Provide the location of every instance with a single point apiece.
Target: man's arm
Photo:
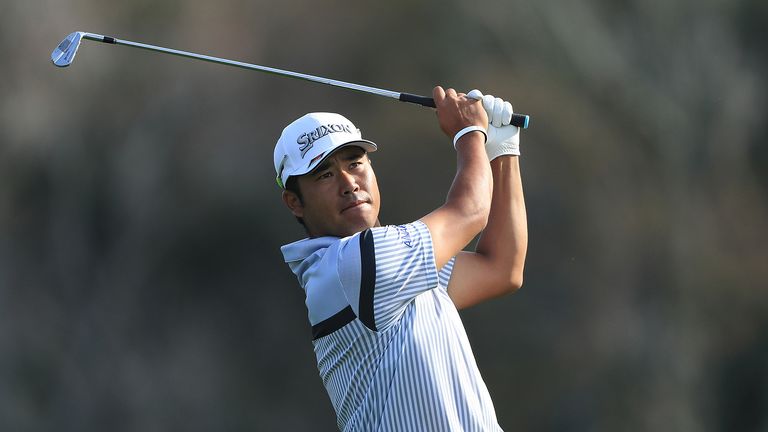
(465, 212)
(496, 266)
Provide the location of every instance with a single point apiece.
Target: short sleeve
(444, 275)
(385, 269)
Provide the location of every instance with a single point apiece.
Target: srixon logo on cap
(306, 139)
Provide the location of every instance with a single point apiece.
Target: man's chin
(355, 225)
(349, 224)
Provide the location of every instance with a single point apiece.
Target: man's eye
(324, 175)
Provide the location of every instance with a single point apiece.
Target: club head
(64, 54)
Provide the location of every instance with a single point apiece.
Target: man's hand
(455, 111)
(503, 139)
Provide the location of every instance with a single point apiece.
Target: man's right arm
(465, 212)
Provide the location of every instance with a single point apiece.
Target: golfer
(383, 300)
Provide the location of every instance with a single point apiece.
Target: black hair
(292, 185)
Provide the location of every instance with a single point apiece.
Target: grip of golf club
(519, 120)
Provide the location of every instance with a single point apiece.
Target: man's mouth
(354, 204)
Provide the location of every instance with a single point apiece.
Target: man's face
(340, 197)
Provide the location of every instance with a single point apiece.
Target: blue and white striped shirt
(390, 345)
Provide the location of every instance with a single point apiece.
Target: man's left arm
(496, 266)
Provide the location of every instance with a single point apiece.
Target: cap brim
(366, 145)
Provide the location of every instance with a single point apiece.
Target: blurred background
(141, 283)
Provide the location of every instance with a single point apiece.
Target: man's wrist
(467, 130)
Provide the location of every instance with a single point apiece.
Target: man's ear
(293, 202)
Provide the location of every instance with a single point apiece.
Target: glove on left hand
(503, 139)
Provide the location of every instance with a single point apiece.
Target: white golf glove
(503, 139)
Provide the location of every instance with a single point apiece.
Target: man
(390, 346)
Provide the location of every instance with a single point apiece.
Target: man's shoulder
(406, 234)
(314, 246)
(303, 249)
(409, 234)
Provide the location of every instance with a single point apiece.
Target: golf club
(64, 54)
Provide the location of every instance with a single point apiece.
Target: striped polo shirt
(390, 345)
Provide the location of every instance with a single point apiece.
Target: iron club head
(64, 54)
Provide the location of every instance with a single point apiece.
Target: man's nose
(348, 182)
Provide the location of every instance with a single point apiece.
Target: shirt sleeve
(385, 269)
(444, 275)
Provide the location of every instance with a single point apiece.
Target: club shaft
(275, 71)
(519, 120)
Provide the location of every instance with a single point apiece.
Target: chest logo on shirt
(402, 232)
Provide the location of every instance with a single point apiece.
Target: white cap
(306, 142)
